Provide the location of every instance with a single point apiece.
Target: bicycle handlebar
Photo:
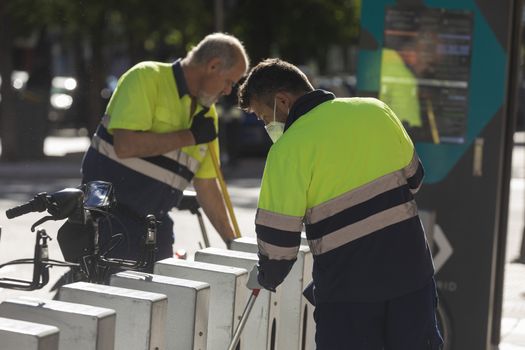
(59, 205)
(37, 204)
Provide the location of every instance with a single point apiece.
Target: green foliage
(297, 30)
(149, 25)
(26, 15)
(97, 33)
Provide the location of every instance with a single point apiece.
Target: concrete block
(228, 294)
(82, 327)
(304, 240)
(141, 316)
(187, 317)
(261, 328)
(296, 313)
(16, 335)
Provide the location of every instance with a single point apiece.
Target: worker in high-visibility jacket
(346, 170)
(156, 138)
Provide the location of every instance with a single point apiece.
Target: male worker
(154, 140)
(347, 170)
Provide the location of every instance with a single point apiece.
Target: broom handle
(224, 190)
(244, 318)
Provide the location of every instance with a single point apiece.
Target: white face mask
(274, 129)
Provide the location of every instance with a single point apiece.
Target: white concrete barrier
(22, 335)
(297, 326)
(82, 327)
(261, 328)
(141, 316)
(304, 240)
(228, 294)
(310, 331)
(188, 305)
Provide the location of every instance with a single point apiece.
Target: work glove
(272, 272)
(203, 129)
(253, 282)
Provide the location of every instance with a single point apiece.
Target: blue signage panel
(486, 81)
(443, 67)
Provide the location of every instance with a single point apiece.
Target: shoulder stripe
(186, 164)
(362, 228)
(279, 221)
(416, 179)
(171, 165)
(356, 213)
(413, 166)
(355, 196)
(140, 165)
(274, 252)
(363, 193)
(184, 159)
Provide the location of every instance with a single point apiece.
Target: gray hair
(222, 45)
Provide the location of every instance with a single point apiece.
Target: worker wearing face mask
(275, 129)
(346, 170)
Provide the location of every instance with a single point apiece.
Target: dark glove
(203, 129)
(273, 272)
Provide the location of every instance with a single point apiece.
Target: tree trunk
(33, 104)
(88, 104)
(79, 108)
(96, 71)
(8, 102)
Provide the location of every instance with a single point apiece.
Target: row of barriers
(183, 305)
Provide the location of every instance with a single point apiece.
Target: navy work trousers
(404, 323)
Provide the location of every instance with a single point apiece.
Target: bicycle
(78, 238)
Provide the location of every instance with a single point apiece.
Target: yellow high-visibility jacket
(153, 97)
(345, 170)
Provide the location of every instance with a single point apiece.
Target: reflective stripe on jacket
(151, 97)
(347, 171)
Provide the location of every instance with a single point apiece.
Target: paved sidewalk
(513, 317)
(63, 159)
(513, 322)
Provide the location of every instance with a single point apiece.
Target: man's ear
(214, 65)
(283, 102)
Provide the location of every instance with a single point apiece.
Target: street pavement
(19, 182)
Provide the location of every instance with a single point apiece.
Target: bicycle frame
(41, 264)
(92, 264)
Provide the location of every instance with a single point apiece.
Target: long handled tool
(244, 318)
(189, 202)
(227, 200)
